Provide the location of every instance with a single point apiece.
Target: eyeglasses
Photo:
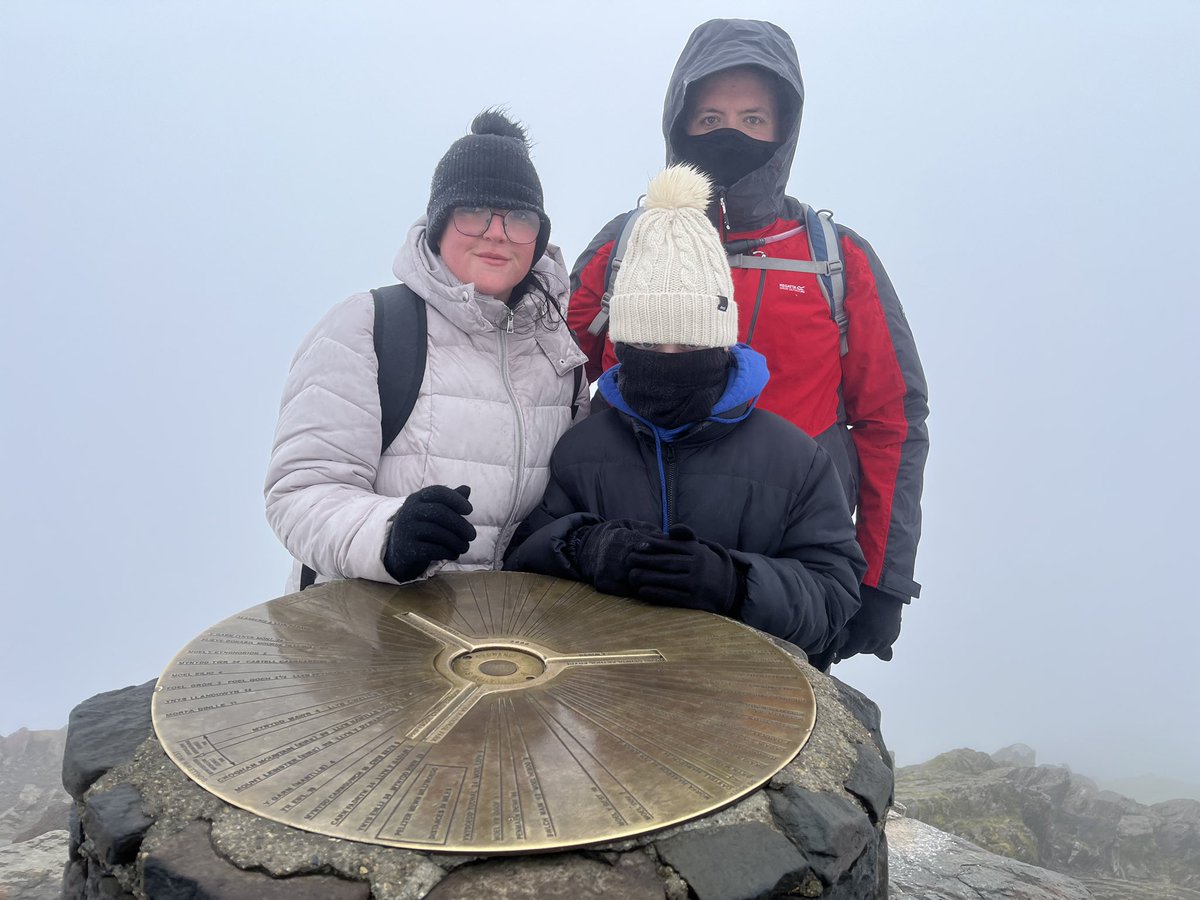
(521, 226)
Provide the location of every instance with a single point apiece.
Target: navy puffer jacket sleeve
(807, 589)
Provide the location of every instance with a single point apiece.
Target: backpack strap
(401, 347)
(823, 244)
(823, 247)
(600, 323)
(575, 392)
(826, 264)
(307, 577)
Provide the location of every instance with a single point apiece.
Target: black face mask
(672, 389)
(726, 155)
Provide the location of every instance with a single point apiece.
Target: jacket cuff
(897, 584)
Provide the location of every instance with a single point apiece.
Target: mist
(187, 188)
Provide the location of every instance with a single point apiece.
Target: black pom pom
(493, 121)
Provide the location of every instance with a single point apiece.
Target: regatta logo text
(797, 288)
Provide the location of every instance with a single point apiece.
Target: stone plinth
(143, 829)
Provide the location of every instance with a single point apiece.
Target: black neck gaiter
(726, 155)
(672, 389)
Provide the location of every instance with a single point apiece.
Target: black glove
(430, 526)
(824, 660)
(678, 569)
(600, 553)
(875, 627)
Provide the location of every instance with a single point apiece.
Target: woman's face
(491, 262)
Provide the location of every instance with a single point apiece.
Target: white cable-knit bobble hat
(674, 286)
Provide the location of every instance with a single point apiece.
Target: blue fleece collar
(747, 377)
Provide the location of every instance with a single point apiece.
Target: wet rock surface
(1050, 817)
(927, 864)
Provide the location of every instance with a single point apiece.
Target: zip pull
(724, 216)
(508, 326)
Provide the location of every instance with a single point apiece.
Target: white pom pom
(679, 187)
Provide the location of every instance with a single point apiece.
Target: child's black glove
(600, 553)
(680, 570)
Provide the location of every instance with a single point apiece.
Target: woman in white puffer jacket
(497, 393)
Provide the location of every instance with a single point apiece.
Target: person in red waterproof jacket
(733, 109)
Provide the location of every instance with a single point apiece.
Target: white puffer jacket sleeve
(320, 492)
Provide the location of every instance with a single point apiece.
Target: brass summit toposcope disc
(480, 712)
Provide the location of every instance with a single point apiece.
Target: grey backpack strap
(826, 264)
(823, 244)
(750, 261)
(600, 323)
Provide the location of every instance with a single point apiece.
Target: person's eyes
(523, 216)
(709, 121)
(755, 121)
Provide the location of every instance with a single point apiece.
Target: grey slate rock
(32, 870)
(832, 832)
(103, 732)
(116, 823)
(185, 867)
(867, 713)
(871, 782)
(74, 880)
(866, 879)
(736, 862)
(75, 830)
(32, 799)
(55, 817)
(562, 876)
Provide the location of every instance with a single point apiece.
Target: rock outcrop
(927, 864)
(144, 829)
(32, 799)
(1048, 816)
(32, 870)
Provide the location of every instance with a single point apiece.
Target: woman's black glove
(600, 553)
(874, 628)
(430, 526)
(681, 570)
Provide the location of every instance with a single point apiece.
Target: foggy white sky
(186, 188)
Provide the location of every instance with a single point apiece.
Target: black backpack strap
(575, 392)
(401, 347)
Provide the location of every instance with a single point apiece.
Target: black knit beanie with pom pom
(488, 167)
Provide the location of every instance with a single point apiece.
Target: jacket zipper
(724, 224)
(518, 478)
(669, 449)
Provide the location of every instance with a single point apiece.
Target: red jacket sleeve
(885, 397)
